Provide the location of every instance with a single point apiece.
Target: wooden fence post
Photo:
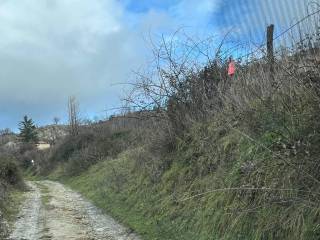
(270, 55)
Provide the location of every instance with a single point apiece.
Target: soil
(53, 211)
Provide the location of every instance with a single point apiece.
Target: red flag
(231, 68)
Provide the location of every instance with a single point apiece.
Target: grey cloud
(52, 49)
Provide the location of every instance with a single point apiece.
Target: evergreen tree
(28, 131)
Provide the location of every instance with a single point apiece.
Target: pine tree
(28, 132)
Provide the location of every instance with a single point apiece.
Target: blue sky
(146, 5)
(53, 49)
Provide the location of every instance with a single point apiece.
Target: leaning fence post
(270, 55)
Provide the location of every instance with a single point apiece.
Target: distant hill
(49, 134)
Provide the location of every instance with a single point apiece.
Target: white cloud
(194, 12)
(52, 49)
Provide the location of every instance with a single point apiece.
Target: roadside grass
(12, 195)
(221, 184)
(45, 197)
(146, 208)
(245, 174)
(30, 175)
(12, 205)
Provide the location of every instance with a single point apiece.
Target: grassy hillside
(214, 158)
(239, 176)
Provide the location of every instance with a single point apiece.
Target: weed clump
(10, 178)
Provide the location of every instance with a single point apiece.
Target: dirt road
(52, 211)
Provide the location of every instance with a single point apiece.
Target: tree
(56, 120)
(5, 132)
(28, 132)
(5, 136)
(54, 131)
(73, 110)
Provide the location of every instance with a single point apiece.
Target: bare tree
(181, 84)
(73, 111)
(53, 131)
(56, 120)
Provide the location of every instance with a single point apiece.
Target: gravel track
(28, 221)
(53, 211)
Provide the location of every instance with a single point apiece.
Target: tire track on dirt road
(53, 211)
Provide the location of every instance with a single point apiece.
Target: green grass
(166, 209)
(12, 204)
(12, 189)
(45, 197)
(254, 179)
(124, 203)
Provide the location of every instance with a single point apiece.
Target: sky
(53, 49)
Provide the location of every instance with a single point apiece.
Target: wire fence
(182, 54)
(302, 35)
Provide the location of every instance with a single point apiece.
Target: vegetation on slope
(220, 184)
(215, 157)
(11, 184)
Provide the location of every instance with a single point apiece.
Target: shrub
(10, 176)
(9, 171)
